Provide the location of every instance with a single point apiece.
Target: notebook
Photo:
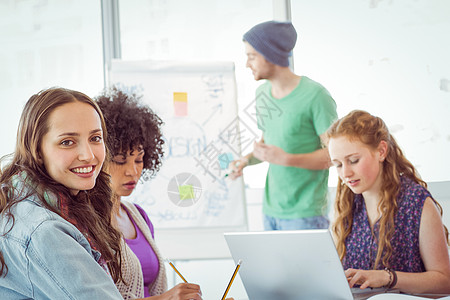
(301, 264)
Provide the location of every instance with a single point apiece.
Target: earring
(342, 182)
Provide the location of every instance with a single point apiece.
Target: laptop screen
(301, 264)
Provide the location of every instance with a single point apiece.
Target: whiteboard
(197, 102)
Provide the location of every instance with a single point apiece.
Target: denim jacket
(49, 258)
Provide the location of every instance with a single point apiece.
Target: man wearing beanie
(294, 113)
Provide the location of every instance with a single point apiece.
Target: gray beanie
(274, 40)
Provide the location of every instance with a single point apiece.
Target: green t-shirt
(295, 123)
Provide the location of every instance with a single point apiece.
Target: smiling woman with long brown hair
(56, 238)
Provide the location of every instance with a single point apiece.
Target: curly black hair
(131, 124)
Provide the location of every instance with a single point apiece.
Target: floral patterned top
(362, 245)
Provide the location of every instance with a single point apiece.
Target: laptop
(300, 264)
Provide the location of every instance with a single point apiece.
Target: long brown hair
(370, 130)
(90, 208)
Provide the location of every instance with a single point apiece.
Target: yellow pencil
(231, 280)
(175, 269)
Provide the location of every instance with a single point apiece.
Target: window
(44, 44)
(388, 58)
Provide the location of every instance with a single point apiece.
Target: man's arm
(316, 160)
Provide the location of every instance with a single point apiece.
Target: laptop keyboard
(361, 294)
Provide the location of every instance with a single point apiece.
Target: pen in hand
(232, 279)
(176, 271)
(229, 172)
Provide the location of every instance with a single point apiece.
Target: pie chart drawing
(184, 189)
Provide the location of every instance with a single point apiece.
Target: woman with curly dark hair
(136, 144)
(388, 229)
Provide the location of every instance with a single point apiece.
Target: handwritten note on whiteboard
(197, 102)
